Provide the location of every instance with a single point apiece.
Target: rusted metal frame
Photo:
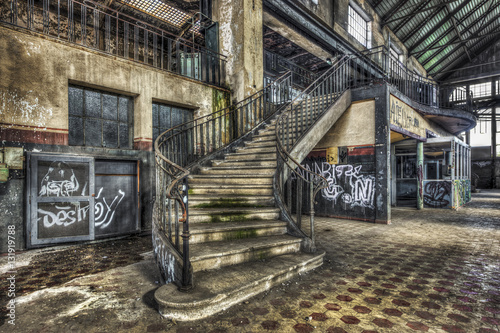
(13, 12)
(71, 22)
(46, 16)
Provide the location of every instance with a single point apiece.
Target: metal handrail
(103, 29)
(178, 148)
(292, 125)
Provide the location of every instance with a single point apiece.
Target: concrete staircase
(235, 230)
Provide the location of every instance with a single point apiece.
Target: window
(168, 116)
(480, 89)
(358, 26)
(99, 119)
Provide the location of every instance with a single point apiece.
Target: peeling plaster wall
(240, 38)
(35, 73)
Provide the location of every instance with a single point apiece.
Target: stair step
(248, 150)
(219, 201)
(264, 137)
(238, 189)
(239, 170)
(208, 256)
(218, 290)
(231, 179)
(214, 215)
(263, 143)
(241, 154)
(250, 163)
(215, 232)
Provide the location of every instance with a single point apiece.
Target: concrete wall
(35, 74)
(354, 128)
(240, 38)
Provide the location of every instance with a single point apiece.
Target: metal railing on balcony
(418, 88)
(100, 28)
(182, 146)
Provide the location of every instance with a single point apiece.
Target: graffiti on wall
(437, 194)
(462, 192)
(347, 186)
(61, 180)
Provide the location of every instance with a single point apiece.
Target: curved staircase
(238, 245)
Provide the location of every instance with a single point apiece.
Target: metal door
(60, 199)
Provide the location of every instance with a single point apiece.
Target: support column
(241, 40)
(420, 175)
(493, 146)
(382, 156)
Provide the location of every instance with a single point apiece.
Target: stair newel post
(311, 214)
(187, 281)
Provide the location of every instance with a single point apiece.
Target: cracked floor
(429, 271)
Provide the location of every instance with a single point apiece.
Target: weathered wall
(36, 72)
(351, 182)
(35, 76)
(240, 38)
(355, 127)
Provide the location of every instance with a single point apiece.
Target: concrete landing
(217, 290)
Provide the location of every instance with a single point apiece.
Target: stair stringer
(322, 125)
(306, 143)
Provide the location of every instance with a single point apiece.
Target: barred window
(358, 26)
(167, 116)
(99, 118)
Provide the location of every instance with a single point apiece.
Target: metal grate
(160, 10)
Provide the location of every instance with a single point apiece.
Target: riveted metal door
(60, 199)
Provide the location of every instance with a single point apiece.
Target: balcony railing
(100, 28)
(418, 88)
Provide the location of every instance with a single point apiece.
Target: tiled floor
(430, 270)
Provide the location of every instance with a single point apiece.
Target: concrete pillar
(240, 39)
(382, 156)
(493, 146)
(420, 175)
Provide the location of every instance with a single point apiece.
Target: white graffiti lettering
(346, 184)
(64, 216)
(104, 212)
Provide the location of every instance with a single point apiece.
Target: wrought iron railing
(180, 147)
(97, 27)
(418, 88)
(291, 179)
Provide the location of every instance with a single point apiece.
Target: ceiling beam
(417, 54)
(491, 21)
(422, 24)
(437, 26)
(394, 9)
(458, 33)
(410, 16)
(478, 53)
(420, 9)
(444, 34)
